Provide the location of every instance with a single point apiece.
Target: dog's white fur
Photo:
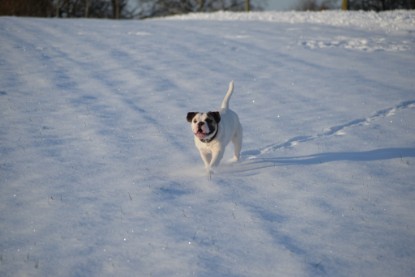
(214, 130)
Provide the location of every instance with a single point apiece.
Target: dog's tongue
(200, 135)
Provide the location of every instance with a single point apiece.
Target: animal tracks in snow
(338, 130)
(357, 43)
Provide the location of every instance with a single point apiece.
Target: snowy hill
(99, 175)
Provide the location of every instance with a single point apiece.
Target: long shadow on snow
(315, 266)
(372, 155)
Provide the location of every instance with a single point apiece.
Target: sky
(280, 4)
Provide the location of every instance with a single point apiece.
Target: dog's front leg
(205, 158)
(216, 158)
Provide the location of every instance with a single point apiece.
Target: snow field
(99, 175)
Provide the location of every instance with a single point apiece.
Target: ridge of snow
(400, 20)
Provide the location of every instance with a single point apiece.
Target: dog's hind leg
(237, 144)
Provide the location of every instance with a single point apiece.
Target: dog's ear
(190, 116)
(215, 115)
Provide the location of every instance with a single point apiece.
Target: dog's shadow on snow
(253, 160)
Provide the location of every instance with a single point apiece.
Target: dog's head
(204, 125)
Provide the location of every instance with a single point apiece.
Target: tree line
(379, 5)
(67, 8)
(120, 9)
(366, 5)
(125, 9)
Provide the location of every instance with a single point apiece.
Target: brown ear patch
(215, 115)
(190, 116)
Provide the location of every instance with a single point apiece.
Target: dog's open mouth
(200, 134)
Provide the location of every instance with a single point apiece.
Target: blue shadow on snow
(372, 155)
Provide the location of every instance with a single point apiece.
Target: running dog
(214, 130)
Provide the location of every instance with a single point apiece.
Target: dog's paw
(209, 172)
(233, 160)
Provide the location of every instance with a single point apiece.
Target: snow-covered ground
(99, 175)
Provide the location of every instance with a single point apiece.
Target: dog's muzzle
(200, 133)
(205, 136)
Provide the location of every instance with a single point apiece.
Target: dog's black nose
(200, 124)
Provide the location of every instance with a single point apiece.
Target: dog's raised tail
(225, 102)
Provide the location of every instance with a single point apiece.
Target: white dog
(214, 130)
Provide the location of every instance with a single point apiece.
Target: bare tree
(315, 5)
(93, 8)
(156, 8)
(380, 5)
(41, 8)
(120, 8)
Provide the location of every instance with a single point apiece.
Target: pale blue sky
(281, 4)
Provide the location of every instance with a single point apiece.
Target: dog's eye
(209, 120)
(194, 121)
